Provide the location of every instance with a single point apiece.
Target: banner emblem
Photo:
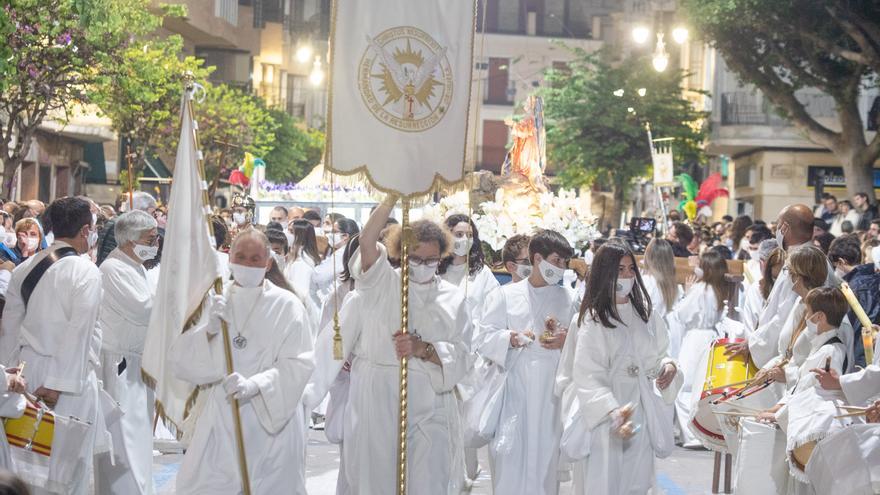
(405, 79)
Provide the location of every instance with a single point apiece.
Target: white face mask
(239, 218)
(279, 260)
(840, 272)
(247, 276)
(624, 287)
(698, 272)
(551, 273)
(462, 246)
(334, 238)
(780, 237)
(421, 274)
(93, 238)
(10, 239)
(145, 253)
(523, 271)
(744, 244)
(32, 243)
(319, 231)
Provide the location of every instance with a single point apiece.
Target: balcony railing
(746, 108)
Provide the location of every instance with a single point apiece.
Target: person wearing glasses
(437, 361)
(523, 329)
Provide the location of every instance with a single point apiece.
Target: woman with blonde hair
(659, 277)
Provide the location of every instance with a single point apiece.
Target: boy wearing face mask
(271, 347)
(845, 255)
(523, 330)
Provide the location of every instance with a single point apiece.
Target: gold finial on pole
(218, 288)
(404, 327)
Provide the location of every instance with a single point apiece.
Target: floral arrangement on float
(512, 214)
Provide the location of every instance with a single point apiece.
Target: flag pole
(406, 241)
(218, 288)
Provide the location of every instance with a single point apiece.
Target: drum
(751, 401)
(847, 462)
(724, 377)
(811, 418)
(34, 430)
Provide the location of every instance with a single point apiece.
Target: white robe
(475, 288)
(60, 339)
(301, 276)
(656, 295)
(862, 386)
(525, 448)
(439, 315)
(753, 305)
(278, 356)
(693, 321)
(602, 360)
(125, 316)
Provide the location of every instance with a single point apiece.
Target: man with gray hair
(107, 240)
(124, 319)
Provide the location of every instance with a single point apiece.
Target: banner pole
(404, 328)
(218, 288)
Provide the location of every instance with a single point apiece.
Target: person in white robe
(794, 228)
(860, 387)
(622, 349)
(659, 279)
(438, 360)
(515, 256)
(12, 405)
(466, 269)
(57, 334)
(523, 329)
(694, 319)
(753, 298)
(342, 230)
(272, 357)
(124, 319)
(301, 262)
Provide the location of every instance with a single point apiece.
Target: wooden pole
(130, 178)
(404, 327)
(218, 288)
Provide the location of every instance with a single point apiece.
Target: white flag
(187, 272)
(400, 91)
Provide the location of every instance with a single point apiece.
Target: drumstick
(853, 408)
(827, 364)
(737, 414)
(20, 369)
(850, 415)
(744, 408)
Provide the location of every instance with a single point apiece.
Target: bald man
(794, 228)
(295, 213)
(272, 352)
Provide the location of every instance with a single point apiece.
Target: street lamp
(680, 35)
(317, 75)
(304, 53)
(641, 34)
(661, 57)
(642, 91)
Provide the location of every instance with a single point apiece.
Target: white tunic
(753, 305)
(475, 288)
(301, 276)
(59, 338)
(439, 315)
(526, 445)
(602, 360)
(278, 356)
(125, 316)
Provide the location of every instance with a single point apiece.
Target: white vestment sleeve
(661, 358)
(281, 387)
(492, 341)
(69, 370)
(861, 386)
(13, 316)
(326, 367)
(132, 305)
(453, 354)
(592, 374)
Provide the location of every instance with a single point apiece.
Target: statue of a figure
(527, 157)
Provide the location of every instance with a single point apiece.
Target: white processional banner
(400, 89)
(186, 274)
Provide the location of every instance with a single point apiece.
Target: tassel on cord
(337, 338)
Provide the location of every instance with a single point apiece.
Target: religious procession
(376, 247)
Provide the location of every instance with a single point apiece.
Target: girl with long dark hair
(620, 356)
(302, 260)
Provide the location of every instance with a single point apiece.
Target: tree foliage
(297, 149)
(231, 123)
(786, 46)
(596, 121)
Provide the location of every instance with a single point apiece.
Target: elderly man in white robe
(272, 356)
(523, 330)
(52, 326)
(125, 316)
(438, 360)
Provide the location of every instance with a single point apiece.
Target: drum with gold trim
(725, 375)
(811, 416)
(32, 431)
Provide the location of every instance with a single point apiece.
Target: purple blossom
(64, 38)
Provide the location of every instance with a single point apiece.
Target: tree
(297, 149)
(231, 123)
(142, 81)
(783, 46)
(596, 115)
(46, 68)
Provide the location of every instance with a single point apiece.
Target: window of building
(227, 10)
(499, 82)
(505, 16)
(494, 147)
(554, 18)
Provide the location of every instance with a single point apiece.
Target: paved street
(684, 473)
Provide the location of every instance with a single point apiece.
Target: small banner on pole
(400, 89)
(661, 157)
